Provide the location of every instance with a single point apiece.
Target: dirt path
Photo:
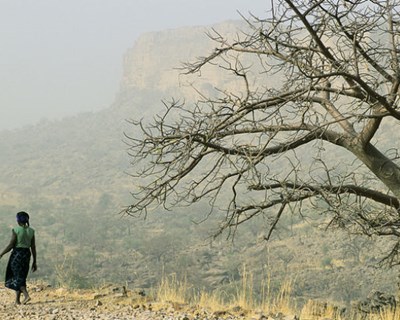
(110, 303)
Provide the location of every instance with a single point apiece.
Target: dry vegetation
(172, 299)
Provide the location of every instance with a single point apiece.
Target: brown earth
(108, 303)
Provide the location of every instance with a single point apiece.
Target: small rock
(291, 317)
(219, 313)
(55, 311)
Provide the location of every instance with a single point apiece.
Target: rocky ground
(109, 303)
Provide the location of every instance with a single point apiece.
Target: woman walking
(22, 244)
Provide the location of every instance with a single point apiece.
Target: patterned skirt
(18, 268)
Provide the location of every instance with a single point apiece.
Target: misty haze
(189, 161)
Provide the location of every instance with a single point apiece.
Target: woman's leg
(17, 297)
(26, 295)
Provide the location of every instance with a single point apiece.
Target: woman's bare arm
(11, 245)
(33, 250)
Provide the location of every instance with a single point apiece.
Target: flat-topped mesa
(156, 59)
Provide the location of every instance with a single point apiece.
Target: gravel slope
(109, 303)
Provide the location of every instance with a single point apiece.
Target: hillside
(72, 176)
(117, 302)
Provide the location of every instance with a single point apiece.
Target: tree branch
(349, 189)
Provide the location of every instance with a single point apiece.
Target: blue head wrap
(23, 217)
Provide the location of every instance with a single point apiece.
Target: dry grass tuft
(314, 310)
(211, 301)
(246, 301)
(173, 290)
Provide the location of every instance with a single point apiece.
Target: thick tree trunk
(384, 168)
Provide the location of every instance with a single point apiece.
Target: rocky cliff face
(156, 59)
(151, 61)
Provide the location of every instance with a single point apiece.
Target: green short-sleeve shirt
(24, 236)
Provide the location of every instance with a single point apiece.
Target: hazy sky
(62, 57)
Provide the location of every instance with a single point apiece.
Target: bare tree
(313, 123)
